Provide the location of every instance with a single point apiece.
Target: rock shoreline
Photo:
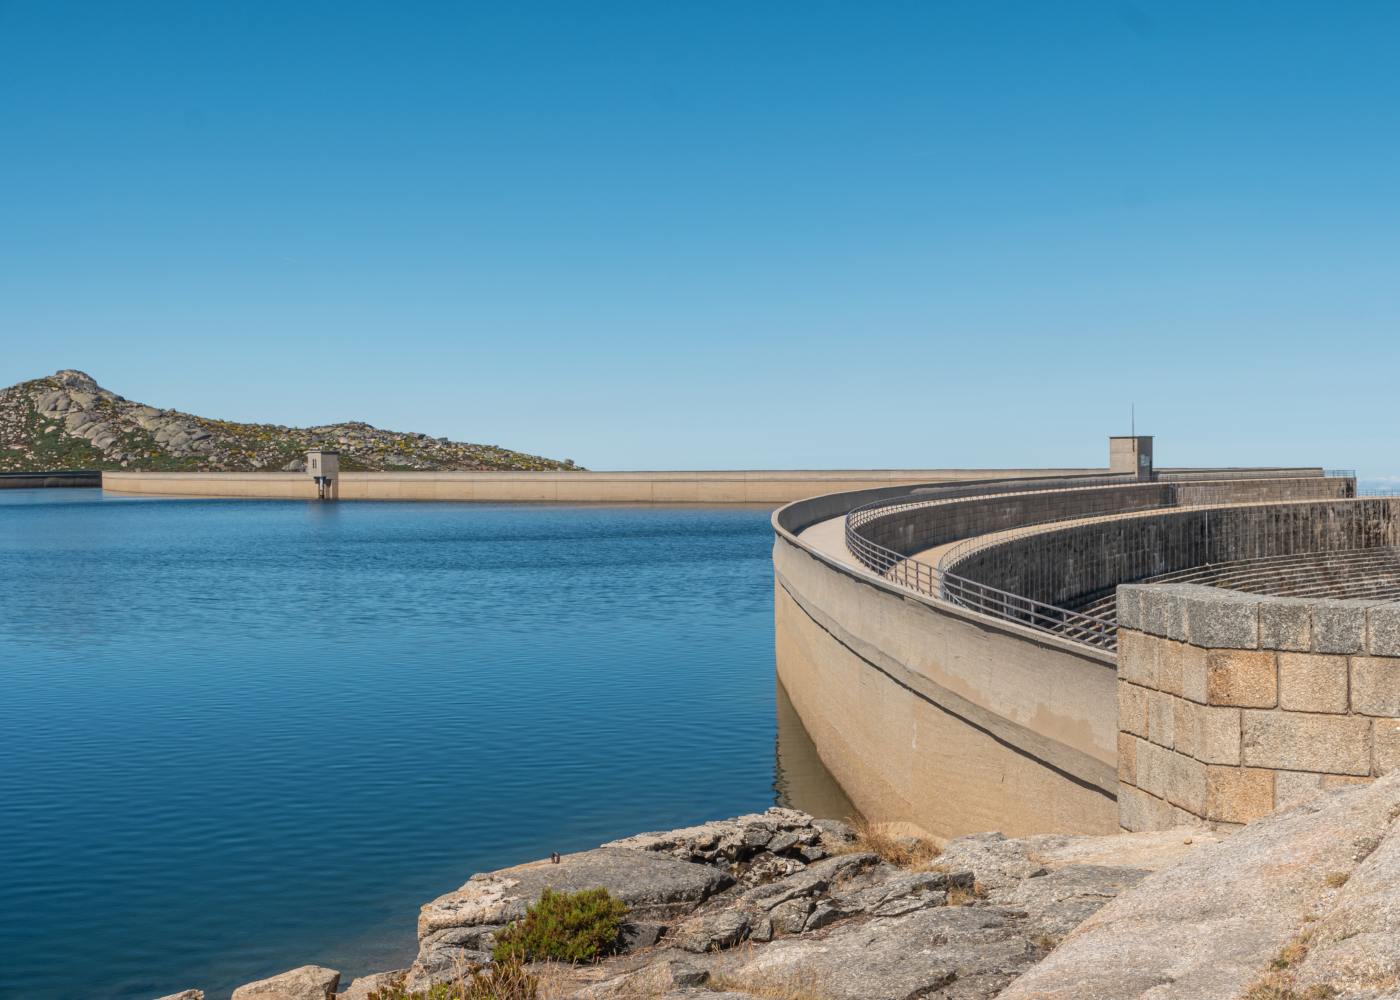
(1302, 905)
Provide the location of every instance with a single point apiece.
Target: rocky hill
(68, 421)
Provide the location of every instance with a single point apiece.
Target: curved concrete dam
(953, 648)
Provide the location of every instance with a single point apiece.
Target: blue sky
(709, 235)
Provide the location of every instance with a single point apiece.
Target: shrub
(567, 927)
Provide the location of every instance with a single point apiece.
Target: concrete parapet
(1232, 705)
(1079, 563)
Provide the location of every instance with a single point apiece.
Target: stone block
(1375, 685)
(1161, 612)
(1383, 630)
(1169, 657)
(1185, 784)
(1222, 619)
(1238, 794)
(1292, 787)
(1387, 744)
(1161, 719)
(1312, 682)
(1339, 626)
(1129, 601)
(1127, 758)
(1180, 817)
(1152, 769)
(1139, 811)
(1243, 678)
(1295, 741)
(1132, 709)
(1185, 725)
(1137, 658)
(1331, 781)
(1217, 735)
(1285, 623)
(309, 982)
(1193, 673)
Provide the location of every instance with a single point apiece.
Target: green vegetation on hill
(67, 421)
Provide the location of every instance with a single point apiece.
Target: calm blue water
(237, 737)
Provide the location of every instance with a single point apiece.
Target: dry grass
(892, 844)
(1293, 952)
(778, 985)
(506, 981)
(1282, 991)
(1337, 879)
(1279, 982)
(959, 895)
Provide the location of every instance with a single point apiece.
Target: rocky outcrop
(772, 901)
(310, 982)
(1305, 900)
(1300, 905)
(68, 421)
(459, 928)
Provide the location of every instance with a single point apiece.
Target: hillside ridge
(67, 421)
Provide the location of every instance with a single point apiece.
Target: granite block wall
(1232, 705)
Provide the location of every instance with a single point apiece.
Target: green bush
(566, 927)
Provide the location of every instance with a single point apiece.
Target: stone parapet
(1232, 705)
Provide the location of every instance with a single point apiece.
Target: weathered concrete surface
(929, 715)
(1323, 875)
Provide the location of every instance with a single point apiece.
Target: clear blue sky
(720, 234)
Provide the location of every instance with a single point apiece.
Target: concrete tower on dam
(1133, 648)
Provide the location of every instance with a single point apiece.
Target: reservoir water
(240, 736)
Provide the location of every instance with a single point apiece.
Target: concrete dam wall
(761, 487)
(958, 714)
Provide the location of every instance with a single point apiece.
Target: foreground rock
(1301, 905)
(1307, 899)
(775, 902)
(310, 982)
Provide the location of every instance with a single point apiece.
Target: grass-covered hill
(68, 421)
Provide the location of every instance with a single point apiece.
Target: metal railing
(938, 581)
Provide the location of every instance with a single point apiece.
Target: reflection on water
(800, 779)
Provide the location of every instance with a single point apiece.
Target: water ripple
(241, 736)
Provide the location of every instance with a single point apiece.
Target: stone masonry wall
(1232, 705)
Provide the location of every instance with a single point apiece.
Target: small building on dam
(1135, 649)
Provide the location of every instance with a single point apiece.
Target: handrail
(939, 582)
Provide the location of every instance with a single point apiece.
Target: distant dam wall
(757, 487)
